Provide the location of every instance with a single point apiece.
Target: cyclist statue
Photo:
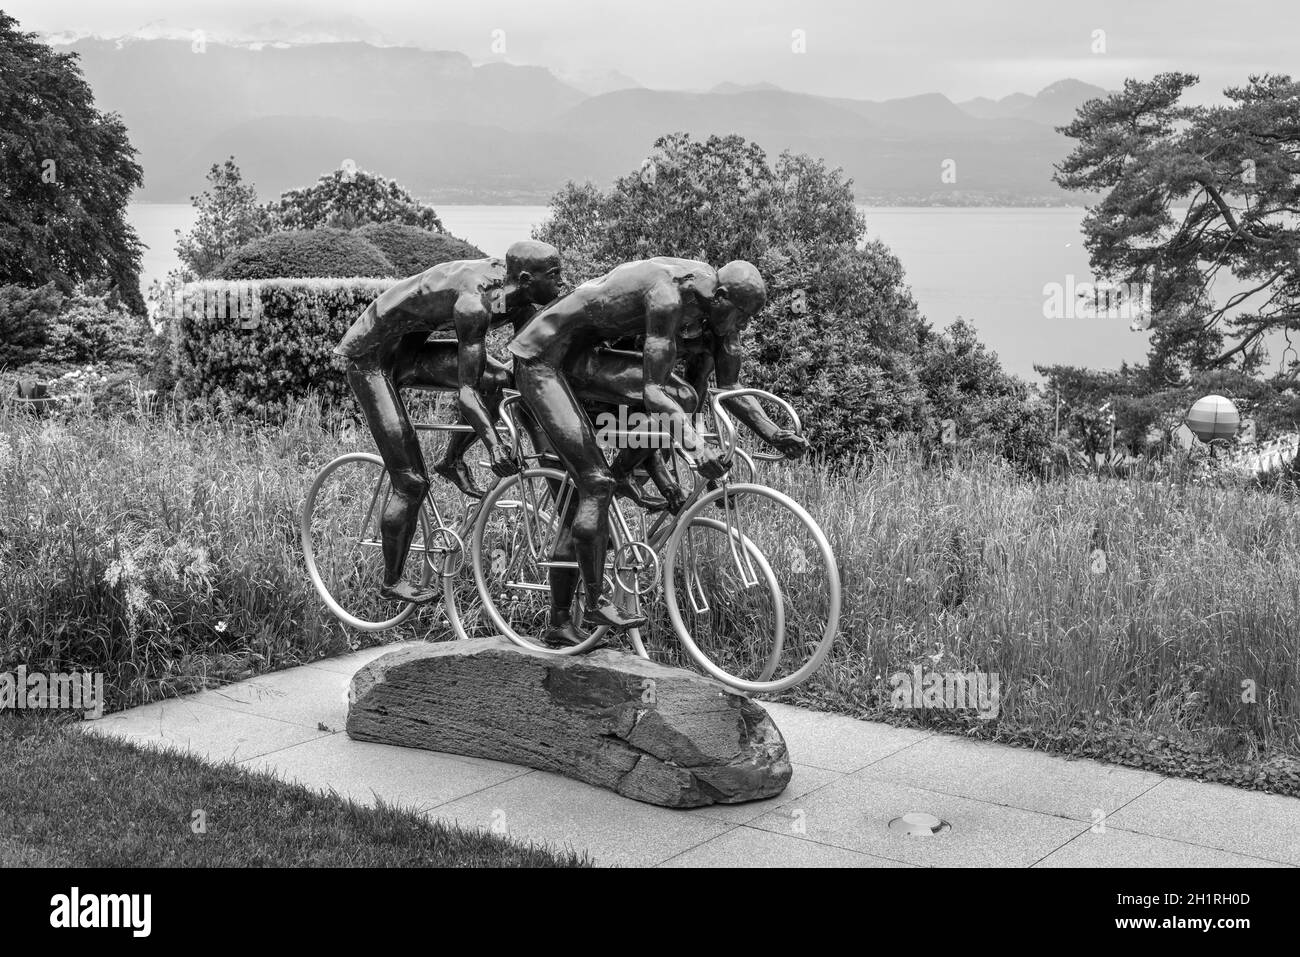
(559, 366)
(388, 348)
(702, 357)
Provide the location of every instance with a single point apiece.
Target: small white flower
(221, 626)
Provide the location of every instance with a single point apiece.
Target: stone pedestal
(656, 734)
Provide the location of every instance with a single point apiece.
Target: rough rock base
(656, 734)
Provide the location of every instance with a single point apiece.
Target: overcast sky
(857, 48)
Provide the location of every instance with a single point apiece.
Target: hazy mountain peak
(438, 123)
(1071, 87)
(761, 87)
(344, 28)
(1053, 105)
(594, 82)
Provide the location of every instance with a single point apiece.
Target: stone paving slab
(307, 697)
(1116, 848)
(1016, 777)
(414, 779)
(215, 734)
(1218, 816)
(750, 847)
(837, 742)
(558, 811)
(855, 812)
(1008, 807)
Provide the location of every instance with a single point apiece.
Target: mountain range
(451, 130)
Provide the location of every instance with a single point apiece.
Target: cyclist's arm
(698, 371)
(659, 355)
(727, 359)
(472, 321)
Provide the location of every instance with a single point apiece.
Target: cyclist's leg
(617, 377)
(608, 378)
(399, 447)
(564, 582)
(435, 365)
(572, 437)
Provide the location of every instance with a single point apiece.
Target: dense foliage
(375, 208)
(286, 355)
(841, 336)
(68, 174)
(26, 317)
(987, 408)
(89, 330)
(229, 217)
(1195, 193)
(304, 254)
(1146, 409)
(348, 198)
(412, 250)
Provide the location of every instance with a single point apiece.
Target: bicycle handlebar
(728, 436)
(718, 396)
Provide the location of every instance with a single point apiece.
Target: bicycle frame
(652, 541)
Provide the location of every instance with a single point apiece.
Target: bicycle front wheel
(343, 548)
(717, 588)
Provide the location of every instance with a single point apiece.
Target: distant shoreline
(867, 203)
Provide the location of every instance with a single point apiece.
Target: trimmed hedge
(285, 352)
(412, 250)
(306, 253)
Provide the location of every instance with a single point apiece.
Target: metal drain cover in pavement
(917, 824)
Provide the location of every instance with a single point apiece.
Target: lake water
(988, 266)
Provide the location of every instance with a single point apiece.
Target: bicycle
(344, 555)
(726, 605)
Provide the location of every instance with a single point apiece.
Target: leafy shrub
(348, 199)
(839, 336)
(989, 409)
(26, 318)
(87, 330)
(228, 218)
(412, 250)
(306, 254)
(287, 354)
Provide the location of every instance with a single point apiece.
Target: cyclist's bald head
(744, 286)
(531, 256)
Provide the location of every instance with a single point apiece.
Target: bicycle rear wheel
(342, 546)
(728, 633)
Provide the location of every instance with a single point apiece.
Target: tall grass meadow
(162, 549)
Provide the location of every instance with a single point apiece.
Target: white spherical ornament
(1213, 417)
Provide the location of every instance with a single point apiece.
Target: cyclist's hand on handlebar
(502, 461)
(710, 463)
(789, 443)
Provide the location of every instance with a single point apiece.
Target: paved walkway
(1006, 806)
